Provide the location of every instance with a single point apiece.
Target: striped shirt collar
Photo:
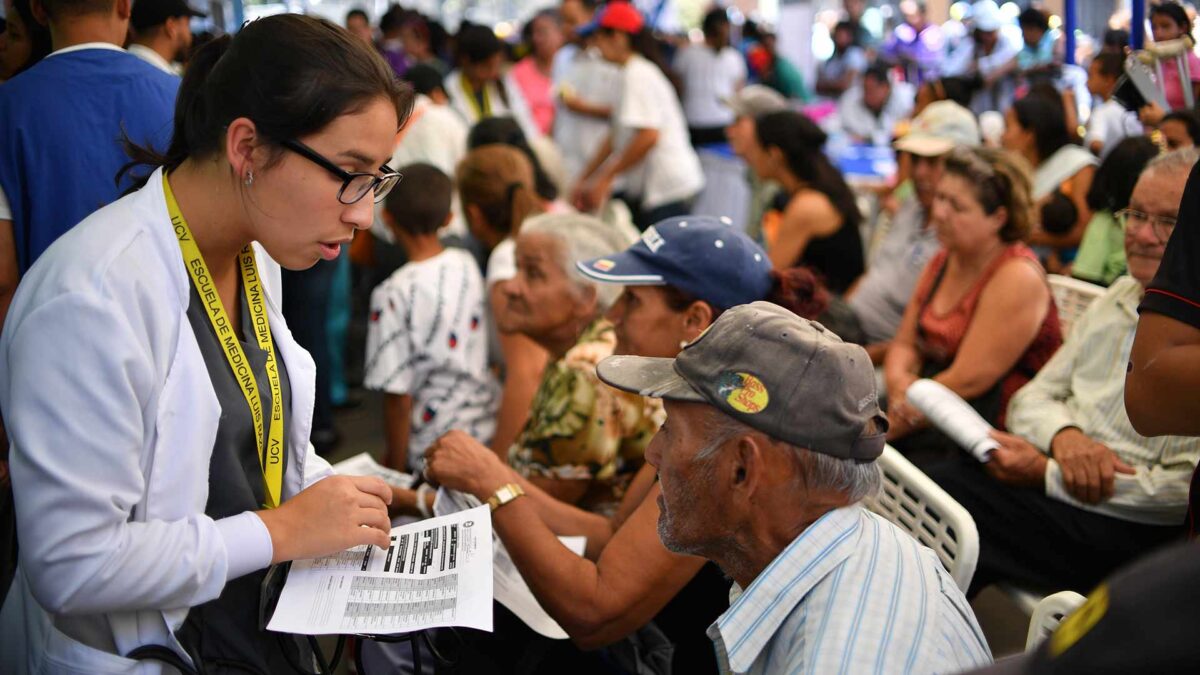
(741, 633)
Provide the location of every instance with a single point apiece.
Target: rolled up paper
(948, 412)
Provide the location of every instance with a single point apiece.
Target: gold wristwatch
(504, 495)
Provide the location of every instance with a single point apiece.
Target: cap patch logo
(1080, 622)
(652, 239)
(604, 265)
(743, 392)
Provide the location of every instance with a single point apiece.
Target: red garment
(538, 91)
(940, 335)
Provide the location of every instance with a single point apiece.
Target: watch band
(504, 495)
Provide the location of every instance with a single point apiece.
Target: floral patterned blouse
(580, 428)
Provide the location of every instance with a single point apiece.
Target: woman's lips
(330, 251)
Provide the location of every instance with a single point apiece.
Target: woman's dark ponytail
(800, 291)
(189, 114)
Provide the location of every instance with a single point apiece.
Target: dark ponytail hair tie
(512, 190)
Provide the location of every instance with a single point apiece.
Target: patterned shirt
(427, 338)
(1083, 386)
(580, 428)
(852, 594)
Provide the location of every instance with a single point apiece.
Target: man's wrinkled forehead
(1159, 192)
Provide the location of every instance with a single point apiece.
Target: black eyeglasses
(355, 184)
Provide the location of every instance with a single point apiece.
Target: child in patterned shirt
(427, 337)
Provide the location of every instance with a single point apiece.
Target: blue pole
(1071, 20)
(239, 16)
(1137, 24)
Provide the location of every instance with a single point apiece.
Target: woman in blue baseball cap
(684, 272)
(679, 277)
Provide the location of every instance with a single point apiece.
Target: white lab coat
(112, 418)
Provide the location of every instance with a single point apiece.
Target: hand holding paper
(437, 572)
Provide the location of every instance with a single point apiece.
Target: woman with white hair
(583, 440)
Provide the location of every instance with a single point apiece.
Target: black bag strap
(169, 657)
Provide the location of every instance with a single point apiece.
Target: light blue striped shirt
(852, 594)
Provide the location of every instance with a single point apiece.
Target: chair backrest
(1073, 297)
(917, 505)
(1049, 613)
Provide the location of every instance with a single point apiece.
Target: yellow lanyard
(486, 111)
(270, 455)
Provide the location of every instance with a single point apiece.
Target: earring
(249, 178)
(683, 343)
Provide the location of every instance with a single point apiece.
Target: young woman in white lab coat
(158, 407)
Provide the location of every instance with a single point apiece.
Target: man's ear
(745, 472)
(171, 26)
(123, 9)
(697, 317)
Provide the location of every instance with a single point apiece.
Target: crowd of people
(193, 230)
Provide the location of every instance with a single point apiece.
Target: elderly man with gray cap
(880, 295)
(772, 433)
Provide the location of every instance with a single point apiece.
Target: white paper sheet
(437, 572)
(508, 584)
(955, 417)
(364, 465)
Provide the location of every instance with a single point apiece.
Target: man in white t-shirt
(648, 144)
(841, 70)
(991, 54)
(427, 336)
(868, 112)
(586, 95)
(711, 73)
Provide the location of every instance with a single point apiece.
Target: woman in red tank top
(982, 320)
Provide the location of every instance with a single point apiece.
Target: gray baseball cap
(785, 376)
(755, 100)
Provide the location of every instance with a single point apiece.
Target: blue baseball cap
(702, 256)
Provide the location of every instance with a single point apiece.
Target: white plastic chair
(1025, 600)
(1073, 297)
(1049, 613)
(917, 505)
